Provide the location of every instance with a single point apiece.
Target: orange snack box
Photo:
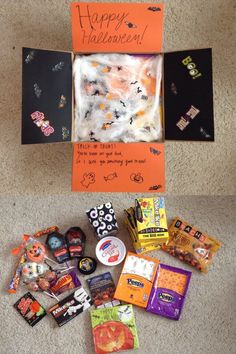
(136, 279)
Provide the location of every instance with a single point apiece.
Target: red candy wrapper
(46, 231)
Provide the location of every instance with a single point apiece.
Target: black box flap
(188, 95)
(46, 96)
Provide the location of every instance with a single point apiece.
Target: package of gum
(169, 291)
(136, 279)
(151, 219)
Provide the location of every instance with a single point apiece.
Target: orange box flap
(117, 27)
(118, 167)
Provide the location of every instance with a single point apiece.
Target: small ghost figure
(62, 101)
(125, 313)
(82, 301)
(54, 242)
(89, 178)
(32, 270)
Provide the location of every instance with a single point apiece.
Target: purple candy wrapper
(64, 283)
(164, 301)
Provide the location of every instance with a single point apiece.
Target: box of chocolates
(71, 306)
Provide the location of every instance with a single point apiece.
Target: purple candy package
(64, 283)
(168, 292)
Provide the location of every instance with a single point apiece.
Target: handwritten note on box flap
(118, 167)
(117, 27)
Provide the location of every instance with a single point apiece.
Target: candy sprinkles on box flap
(115, 74)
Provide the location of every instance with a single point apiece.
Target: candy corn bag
(190, 245)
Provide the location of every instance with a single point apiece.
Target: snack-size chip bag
(190, 245)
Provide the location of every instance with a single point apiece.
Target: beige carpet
(207, 325)
(191, 168)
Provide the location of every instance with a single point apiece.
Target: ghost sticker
(88, 178)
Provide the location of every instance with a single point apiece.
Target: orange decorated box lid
(117, 27)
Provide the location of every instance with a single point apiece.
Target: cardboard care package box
(117, 97)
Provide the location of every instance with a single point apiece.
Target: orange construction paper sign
(117, 27)
(118, 167)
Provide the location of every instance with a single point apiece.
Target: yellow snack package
(190, 245)
(139, 246)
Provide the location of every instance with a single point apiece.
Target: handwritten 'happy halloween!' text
(95, 28)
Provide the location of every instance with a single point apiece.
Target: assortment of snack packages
(52, 267)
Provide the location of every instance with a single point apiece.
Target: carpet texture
(191, 168)
(207, 325)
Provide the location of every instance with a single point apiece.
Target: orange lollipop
(36, 252)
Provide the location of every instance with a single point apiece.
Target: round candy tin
(110, 251)
(87, 265)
